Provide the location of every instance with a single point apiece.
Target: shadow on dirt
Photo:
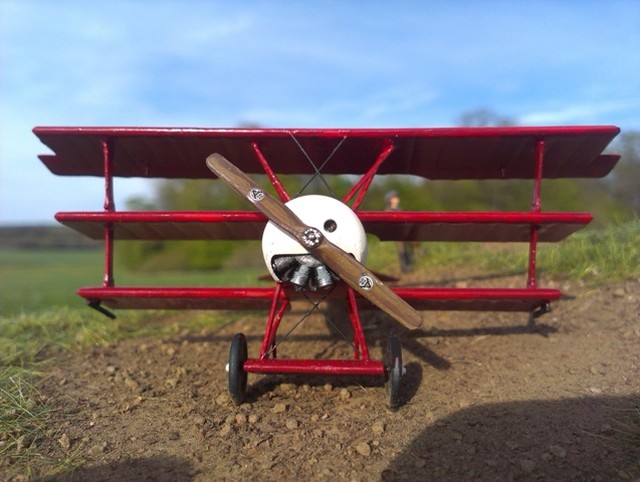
(416, 342)
(166, 469)
(453, 280)
(573, 439)
(528, 329)
(377, 329)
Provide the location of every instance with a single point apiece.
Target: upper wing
(434, 153)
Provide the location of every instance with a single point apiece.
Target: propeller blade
(367, 284)
(271, 207)
(343, 264)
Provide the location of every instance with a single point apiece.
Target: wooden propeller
(343, 264)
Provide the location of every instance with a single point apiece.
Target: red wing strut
(348, 268)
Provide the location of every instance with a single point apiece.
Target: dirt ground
(485, 397)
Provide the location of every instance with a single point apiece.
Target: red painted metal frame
(387, 226)
(281, 296)
(268, 362)
(535, 207)
(278, 306)
(194, 292)
(362, 186)
(324, 133)
(361, 352)
(109, 207)
(395, 217)
(273, 178)
(434, 153)
(261, 298)
(316, 367)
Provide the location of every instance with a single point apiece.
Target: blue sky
(296, 64)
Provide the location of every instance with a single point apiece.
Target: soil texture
(486, 396)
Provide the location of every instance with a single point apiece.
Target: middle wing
(387, 226)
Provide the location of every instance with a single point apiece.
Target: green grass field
(33, 280)
(594, 255)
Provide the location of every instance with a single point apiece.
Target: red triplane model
(314, 246)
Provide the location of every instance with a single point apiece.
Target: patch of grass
(29, 341)
(32, 280)
(26, 342)
(595, 255)
(26, 338)
(607, 254)
(23, 417)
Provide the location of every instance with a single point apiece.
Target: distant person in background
(405, 248)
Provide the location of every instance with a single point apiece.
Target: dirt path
(485, 397)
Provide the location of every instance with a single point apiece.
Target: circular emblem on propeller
(365, 282)
(256, 194)
(311, 237)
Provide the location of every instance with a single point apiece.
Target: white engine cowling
(334, 219)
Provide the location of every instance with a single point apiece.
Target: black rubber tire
(393, 371)
(237, 375)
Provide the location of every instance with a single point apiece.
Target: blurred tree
(604, 198)
(182, 195)
(616, 197)
(625, 178)
(205, 195)
(483, 117)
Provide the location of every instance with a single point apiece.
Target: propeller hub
(327, 218)
(311, 238)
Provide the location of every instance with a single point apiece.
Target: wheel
(393, 371)
(237, 375)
